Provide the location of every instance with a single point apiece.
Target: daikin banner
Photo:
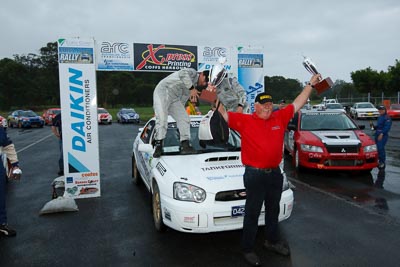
(78, 98)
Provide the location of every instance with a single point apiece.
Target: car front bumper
(213, 216)
(354, 162)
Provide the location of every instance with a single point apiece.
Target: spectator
(192, 108)
(282, 104)
(8, 156)
(382, 128)
(262, 140)
(56, 128)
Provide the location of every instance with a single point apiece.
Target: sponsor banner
(79, 117)
(162, 57)
(251, 75)
(208, 56)
(114, 56)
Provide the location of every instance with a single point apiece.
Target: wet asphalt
(116, 229)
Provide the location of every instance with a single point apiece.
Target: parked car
(3, 121)
(49, 115)
(127, 115)
(329, 140)
(361, 110)
(103, 116)
(394, 111)
(335, 106)
(24, 119)
(195, 193)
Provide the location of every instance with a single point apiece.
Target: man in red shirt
(262, 136)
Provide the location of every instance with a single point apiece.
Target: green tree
(394, 78)
(282, 88)
(369, 81)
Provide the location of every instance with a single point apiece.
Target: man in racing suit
(8, 155)
(232, 95)
(169, 98)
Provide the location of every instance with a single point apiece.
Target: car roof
(192, 118)
(314, 111)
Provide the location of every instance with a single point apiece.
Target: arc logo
(107, 47)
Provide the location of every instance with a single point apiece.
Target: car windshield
(102, 111)
(395, 106)
(365, 105)
(334, 106)
(326, 121)
(171, 142)
(28, 113)
(127, 111)
(56, 111)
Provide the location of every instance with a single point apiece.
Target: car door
(144, 159)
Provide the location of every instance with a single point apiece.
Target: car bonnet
(211, 171)
(337, 137)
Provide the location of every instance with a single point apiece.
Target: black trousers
(261, 186)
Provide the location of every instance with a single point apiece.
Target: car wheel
(295, 159)
(136, 178)
(156, 208)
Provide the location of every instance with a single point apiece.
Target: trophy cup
(323, 84)
(217, 75)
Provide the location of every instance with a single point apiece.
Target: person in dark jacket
(382, 128)
(56, 128)
(8, 170)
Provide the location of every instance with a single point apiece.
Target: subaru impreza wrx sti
(200, 192)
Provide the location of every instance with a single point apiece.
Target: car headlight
(310, 148)
(371, 148)
(188, 192)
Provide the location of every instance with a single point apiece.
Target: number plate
(370, 113)
(237, 211)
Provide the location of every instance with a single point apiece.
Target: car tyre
(295, 160)
(156, 208)
(136, 178)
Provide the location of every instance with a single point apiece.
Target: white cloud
(340, 36)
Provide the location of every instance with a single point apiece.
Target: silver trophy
(323, 84)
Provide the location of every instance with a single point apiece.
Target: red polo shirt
(262, 140)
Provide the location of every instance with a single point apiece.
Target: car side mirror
(145, 148)
(292, 127)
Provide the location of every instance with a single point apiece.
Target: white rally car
(200, 192)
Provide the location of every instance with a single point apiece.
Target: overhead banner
(162, 57)
(79, 117)
(210, 55)
(251, 73)
(114, 56)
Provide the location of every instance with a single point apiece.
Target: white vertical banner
(251, 71)
(78, 98)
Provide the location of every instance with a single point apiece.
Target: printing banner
(162, 57)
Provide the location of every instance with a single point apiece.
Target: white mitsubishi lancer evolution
(198, 193)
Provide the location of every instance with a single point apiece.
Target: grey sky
(339, 36)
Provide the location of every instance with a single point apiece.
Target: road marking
(40, 140)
